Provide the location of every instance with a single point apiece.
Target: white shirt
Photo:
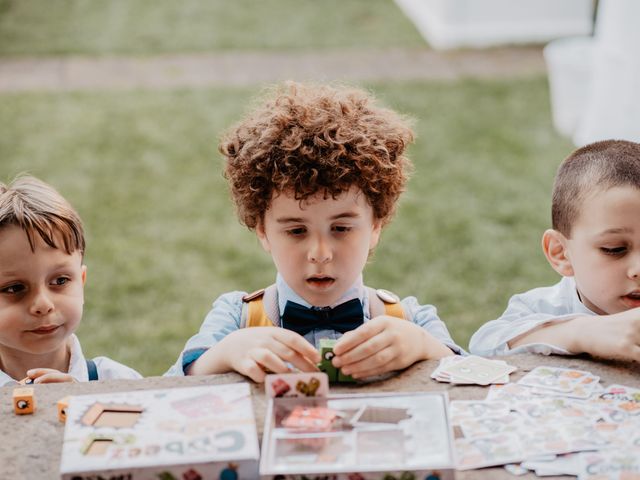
(525, 312)
(107, 368)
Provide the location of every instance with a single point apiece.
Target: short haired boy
(595, 246)
(316, 171)
(42, 289)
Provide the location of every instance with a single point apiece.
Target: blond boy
(42, 279)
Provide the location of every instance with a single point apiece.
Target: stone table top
(31, 444)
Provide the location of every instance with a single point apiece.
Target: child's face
(320, 247)
(41, 295)
(604, 250)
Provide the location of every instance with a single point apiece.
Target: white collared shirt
(525, 312)
(225, 317)
(107, 368)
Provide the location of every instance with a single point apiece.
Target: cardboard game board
(364, 437)
(183, 433)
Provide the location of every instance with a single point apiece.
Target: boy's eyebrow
(615, 230)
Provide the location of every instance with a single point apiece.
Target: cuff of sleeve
(191, 356)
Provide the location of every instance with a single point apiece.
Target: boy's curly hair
(307, 139)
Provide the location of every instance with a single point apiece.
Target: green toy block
(325, 365)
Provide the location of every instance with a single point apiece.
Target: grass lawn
(163, 240)
(147, 27)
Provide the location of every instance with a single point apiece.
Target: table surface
(31, 444)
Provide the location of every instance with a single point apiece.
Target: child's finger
(298, 344)
(381, 361)
(268, 360)
(363, 351)
(54, 377)
(252, 370)
(38, 372)
(292, 357)
(356, 337)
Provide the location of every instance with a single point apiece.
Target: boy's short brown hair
(595, 167)
(305, 139)
(37, 208)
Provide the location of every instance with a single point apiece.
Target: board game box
(190, 433)
(400, 436)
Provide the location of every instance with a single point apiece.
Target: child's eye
(613, 250)
(341, 229)
(296, 232)
(59, 281)
(13, 289)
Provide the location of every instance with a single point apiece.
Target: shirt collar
(576, 303)
(286, 293)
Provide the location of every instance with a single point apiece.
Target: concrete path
(249, 68)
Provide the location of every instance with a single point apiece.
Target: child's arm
(385, 343)
(253, 351)
(527, 313)
(608, 336)
(222, 346)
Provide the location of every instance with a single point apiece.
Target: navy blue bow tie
(343, 318)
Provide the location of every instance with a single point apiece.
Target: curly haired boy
(316, 171)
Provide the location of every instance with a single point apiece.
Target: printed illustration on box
(183, 433)
(349, 436)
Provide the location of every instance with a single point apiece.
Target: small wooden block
(24, 401)
(63, 404)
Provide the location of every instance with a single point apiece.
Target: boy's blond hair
(593, 168)
(38, 209)
(307, 139)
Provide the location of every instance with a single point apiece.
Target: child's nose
(320, 251)
(42, 304)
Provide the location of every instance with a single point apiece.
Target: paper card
(481, 427)
(544, 439)
(488, 451)
(481, 371)
(441, 376)
(476, 409)
(557, 409)
(567, 464)
(512, 393)
(557, 379)
(314, 384)
(626, 400)
(610, 465)
(515, 469)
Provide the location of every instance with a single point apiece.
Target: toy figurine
(311, 419)
(280, 387)
(24, 401)
(325, 365)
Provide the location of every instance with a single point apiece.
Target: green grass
(163, 241)
(145, 27)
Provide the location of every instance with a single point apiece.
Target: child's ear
(554, 245)
(262, 236)
(84, 274)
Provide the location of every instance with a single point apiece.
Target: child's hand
(254, 351)
(614, 336)
(384, 344)
(48, 375)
